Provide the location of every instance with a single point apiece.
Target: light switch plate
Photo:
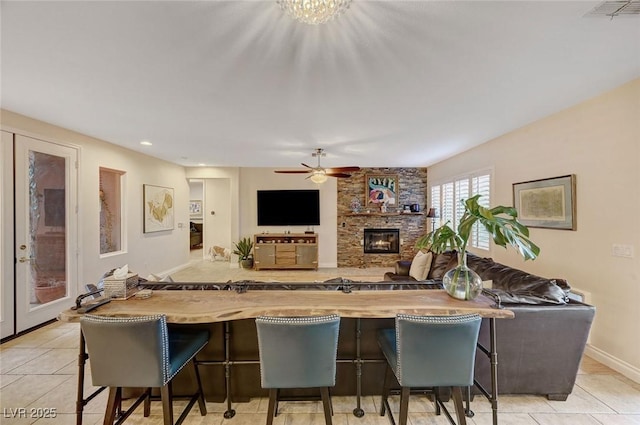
(620, 250)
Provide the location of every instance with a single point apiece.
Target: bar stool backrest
(127, 352)
(298, 352)
(436, 351)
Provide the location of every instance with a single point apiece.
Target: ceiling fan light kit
(319, 174)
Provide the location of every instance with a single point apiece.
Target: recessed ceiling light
(146, 143)
(201, 164)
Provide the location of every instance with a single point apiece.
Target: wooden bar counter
(194, 306)
(232, 351)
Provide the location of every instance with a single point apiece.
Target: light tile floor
(38, 373)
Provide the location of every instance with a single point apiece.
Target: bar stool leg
(385, 390)
(271, 411)
(115, 397)
(147, 403)
(326, 403)
(166, 394)
(457, 401)
(404, 405)
(196, 374)
(436, 400)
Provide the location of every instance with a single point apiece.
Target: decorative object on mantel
(355, 205)
(432, 214)
(548, 203)
(502, 224)
(382, 188)
(314, 11)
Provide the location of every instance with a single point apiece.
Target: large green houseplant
(502, 224)
(243, 251)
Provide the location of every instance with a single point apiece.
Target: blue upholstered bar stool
(298, 352)
(430, 351)
(141, 352)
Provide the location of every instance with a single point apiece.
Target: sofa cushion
(420, 265)
(442, 263)
(516, 286)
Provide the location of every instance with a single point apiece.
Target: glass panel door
(45, 230)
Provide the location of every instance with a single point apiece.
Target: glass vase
(461, 282)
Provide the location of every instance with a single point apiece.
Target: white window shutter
(448, 199)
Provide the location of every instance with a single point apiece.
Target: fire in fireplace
(381, 241)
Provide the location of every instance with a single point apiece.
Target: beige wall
(254, 179)
(245, 182)
(142, 253)
(599, 142)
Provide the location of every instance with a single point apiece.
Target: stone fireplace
(412, 184)
(381, 241)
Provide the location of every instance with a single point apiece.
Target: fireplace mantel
(380, 214)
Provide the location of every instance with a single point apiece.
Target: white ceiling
(238, 83)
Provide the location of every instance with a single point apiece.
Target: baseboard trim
(176, 269)
(614, 363)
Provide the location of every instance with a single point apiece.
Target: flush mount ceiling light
(314, 11)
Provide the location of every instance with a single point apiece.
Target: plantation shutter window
(447, 198)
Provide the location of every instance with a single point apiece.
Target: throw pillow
(420, 265)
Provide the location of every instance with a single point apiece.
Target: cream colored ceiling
(238, 83)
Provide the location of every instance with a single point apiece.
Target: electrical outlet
(625, 251)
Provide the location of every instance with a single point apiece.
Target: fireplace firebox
(381, 241)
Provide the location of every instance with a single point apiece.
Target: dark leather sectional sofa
(539, 351)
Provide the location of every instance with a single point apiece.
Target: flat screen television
(288, 207)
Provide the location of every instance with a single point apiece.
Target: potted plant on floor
(504, 228)
(243, 251)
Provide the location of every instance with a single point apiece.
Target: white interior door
(6, 236)
(45, 230)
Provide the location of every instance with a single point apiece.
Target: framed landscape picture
(158, 208)
(547, 203)
(381, 188)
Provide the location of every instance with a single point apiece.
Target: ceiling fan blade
(305, 165)
(342, 169)
(340, 175)
(292, 171)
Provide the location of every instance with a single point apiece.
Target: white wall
(599, 142)
(160, 252)
(217, 214)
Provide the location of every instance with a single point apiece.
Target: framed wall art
(158, 208)
(382, 188)
(547, 203)
(195, 209)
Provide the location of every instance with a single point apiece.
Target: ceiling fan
(320, 174)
